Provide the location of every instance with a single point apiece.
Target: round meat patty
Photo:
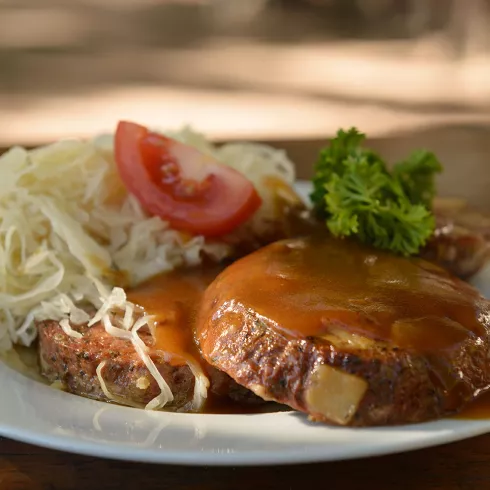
(347, 334)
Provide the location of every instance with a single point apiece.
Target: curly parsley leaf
(357, 195)
(330, 162)
(416, 175)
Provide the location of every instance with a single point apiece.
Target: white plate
(34, 413)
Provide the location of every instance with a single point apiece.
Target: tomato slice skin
(192, 191)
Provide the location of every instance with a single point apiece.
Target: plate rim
(443, 432)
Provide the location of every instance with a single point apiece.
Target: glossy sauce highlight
(309, 286)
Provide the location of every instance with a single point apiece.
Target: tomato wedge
(178, 183)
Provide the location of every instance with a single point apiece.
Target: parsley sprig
(357, 195)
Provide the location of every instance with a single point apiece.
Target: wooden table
(465, 152)
(460, 466)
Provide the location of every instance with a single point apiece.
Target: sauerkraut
(70, 233)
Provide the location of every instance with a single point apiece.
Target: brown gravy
(309, 286)
(226, 406)
(173, 299)
(478, 409)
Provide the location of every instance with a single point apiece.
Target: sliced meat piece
(73, 362)
(461, 241)
(347, 334)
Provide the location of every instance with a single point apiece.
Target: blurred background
(266, 69)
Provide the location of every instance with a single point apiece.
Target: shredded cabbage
(70, 234)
